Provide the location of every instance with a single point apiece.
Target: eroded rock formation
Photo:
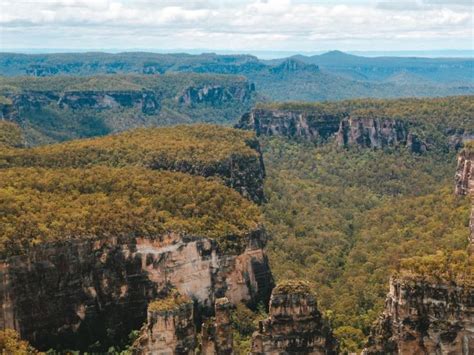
(216, 94)
(307, 125)
(465, 184)
(216, 334)
(377, 133)
(169, 328)
(295, 325)
(74, 294)
(318, 126)
(421, 317)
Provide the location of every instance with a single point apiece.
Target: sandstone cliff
(377, 133)
(422, 317)
(465, 183)
(317, 125)
(295, 325)
(74, 294)
(216, 94)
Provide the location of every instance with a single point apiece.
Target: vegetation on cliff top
(443, 113)
(192, 147)
(452, 266)
(46, 205)
(294, 287)
(171, 302)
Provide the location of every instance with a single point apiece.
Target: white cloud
(237, 24)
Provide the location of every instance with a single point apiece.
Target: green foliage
(193, 148)
(11, 343)
(350, 339)
(244, 323)
(173, 301)
(10, 135)
(452, 266)
(293, 287)
(41, 205)
(344, 218)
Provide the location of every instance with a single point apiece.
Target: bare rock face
(216, 334)
(295, 325)
(465, 184)
(425, 318)
(377, 133)
(170, 327)
(306, 125)
(216, 95)
(76, 293)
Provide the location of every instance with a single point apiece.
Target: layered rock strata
(425, 318)
(377, 133)
(74, 294)
(318, 126)
(216, 334)
(294, 325)
(465, 184)
(216, 94)
(169, 329)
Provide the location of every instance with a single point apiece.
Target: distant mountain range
(332, 75)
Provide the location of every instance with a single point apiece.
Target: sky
(237, 25)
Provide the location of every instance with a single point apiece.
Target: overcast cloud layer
(298, 25)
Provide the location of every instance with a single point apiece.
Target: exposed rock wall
(318, 126)
(168, 331)
(377, 133)
(312, 126)
(216, 95)
(216, 334)
(294, 326)
(77, 293)
(465, 185)
(425, 318)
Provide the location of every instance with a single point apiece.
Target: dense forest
(346, 219)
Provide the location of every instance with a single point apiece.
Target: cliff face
(169, 329)
(317, 126)
(425, 318)
(77, 293)
(377, 133)
(294, 325)
(465, 185)
(216, 94)
(292, 124)
(216, 333)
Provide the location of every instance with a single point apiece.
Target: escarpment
(74, 293)
(294, 325)
(423, 317)
(465, 183)
(62, 108)
(417, 125)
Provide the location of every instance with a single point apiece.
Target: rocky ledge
(465, 183)
(422, 317)
(77, 293)
(294, 325)
(216, 95)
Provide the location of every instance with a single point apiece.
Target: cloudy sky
(288, 25)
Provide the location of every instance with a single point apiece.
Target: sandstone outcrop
(216, 333)
(216, 94)
(298, 124)
(377, 133)
(421, 317)
(76, 293)
(169, 328)
(295, 325)
(318, 126)
(465, 184)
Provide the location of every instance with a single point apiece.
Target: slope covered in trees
(347, 219)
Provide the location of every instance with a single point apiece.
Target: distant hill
(329, 76)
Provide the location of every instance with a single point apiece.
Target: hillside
(59, 108)
(331, 76)
(345, 217)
